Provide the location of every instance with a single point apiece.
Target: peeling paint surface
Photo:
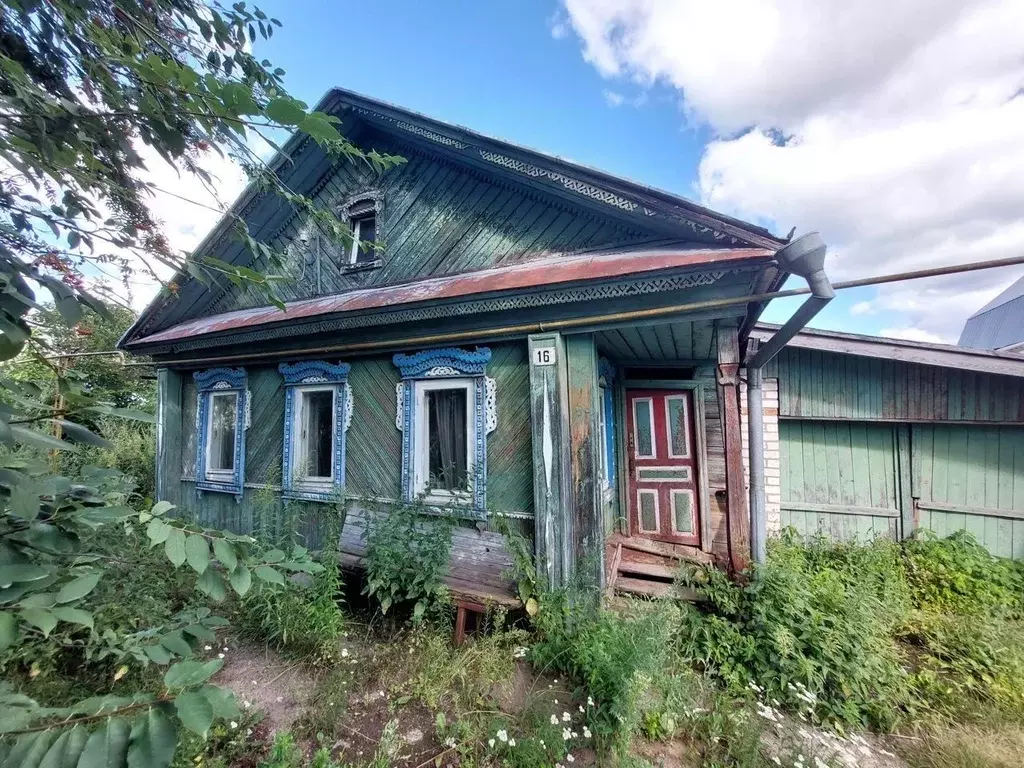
(545, 270)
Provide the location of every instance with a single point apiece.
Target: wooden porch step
(664, 549)
(658, 589)
(654, 570)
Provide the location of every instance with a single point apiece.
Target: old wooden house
(868, 436)
(529, 340)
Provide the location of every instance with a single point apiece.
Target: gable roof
(920, 352)
(669, 216)
(998, 324)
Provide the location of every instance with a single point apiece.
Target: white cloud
(863, 308)
(614, 98)
(892, 126)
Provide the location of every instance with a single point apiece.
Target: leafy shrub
(406, 557)
(958, 575)
(132, 451)
(965, 665)
(615, 658)
(300, 617)
(814, 628)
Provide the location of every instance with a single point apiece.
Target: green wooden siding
(373, 449)
(961, 477)
(439, 218)
(835, 475)
(968, 471)
(373, 461)
(825, 385)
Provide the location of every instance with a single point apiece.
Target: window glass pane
(316, 437)
(649, 511)
(446, 436)
(644, 426)
(682, 503)
(222, 431)
(679, 444)
(602, 452)
(365, 229)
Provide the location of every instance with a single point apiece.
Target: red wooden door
(662, 464)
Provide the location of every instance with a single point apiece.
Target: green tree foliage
(90, 91)
(79, 356)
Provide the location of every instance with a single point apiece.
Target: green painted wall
(825, 385)
(960, 477)
(972, 470)
(834, 474)
(373, 448)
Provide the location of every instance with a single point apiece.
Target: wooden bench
(478, 574)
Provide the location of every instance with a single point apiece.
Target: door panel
(661, 461)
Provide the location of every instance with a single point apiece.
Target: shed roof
(921, 352)
(998, 324)
(547, 270)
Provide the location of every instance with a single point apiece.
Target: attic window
(362, 219)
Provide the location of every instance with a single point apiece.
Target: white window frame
(421, 443)
(356, 224)
(312, 482)
(220, 475)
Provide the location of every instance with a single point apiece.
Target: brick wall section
(772, 465)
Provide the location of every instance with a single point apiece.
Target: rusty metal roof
(546, 270)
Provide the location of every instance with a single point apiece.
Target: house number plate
(544, 356)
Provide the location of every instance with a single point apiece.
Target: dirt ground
(263, 681)
(379, 715)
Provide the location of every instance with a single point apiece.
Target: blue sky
(498, 68)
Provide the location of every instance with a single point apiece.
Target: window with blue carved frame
(606, 424)
(317, 413)
(445, 410)
(222, 417)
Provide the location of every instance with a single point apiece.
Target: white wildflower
(220, 655)
(566, 717)
(449, 742)
(344, 653)
(581, 708)
(234, 724)
(226, 649)
(490, 743)
(247, 704)
(554, 719)
(590, 701)
(207, 648)
(586, 732)
(511, 742)
(570, 759)
(566, 734)
(502, 735)
(520, 652)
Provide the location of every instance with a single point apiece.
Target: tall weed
(616, 658)
(958, 575)
(814, 628)
(302, 620)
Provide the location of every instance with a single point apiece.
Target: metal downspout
(805, 257)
